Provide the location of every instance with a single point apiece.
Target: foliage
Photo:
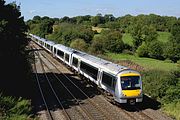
(172, 109)
(79, 44)
(41, 26)
(150, 34)
(155, 50)
(98, 19)
(14, 62)
(142, 50)
(97, 45)
(15, 108)
(137, 34)
(12, 32)
(65, 33)
(163, 36)
(162, 85)
(111, 40)
(172, 50)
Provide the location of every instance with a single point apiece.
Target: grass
(127, 38)
(147, 63)
(162, 36)
(97, 29)
(172, 109)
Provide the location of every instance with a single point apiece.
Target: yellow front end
(131, 87)
(131, 93)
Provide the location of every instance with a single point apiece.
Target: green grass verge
(147, 63)
(172, 109)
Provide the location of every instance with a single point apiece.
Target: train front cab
(129, 88)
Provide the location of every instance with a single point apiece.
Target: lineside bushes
(14, 109)
(164, 86)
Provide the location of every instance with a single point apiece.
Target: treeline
(143, 29)
(15, 65)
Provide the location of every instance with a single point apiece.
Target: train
(122, 83)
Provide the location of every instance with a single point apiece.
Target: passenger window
(75, 62)
(89, 69)
(60, 53)
(67, 57)
(109, 80)
(55, 50)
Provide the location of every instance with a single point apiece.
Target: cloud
(32, 11)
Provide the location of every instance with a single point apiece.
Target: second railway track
(89, 109)
(82, 100)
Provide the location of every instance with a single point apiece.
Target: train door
(99, 77)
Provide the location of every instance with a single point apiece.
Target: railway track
(88, 107)
(133, 113)
(50, 115)
(134, 116)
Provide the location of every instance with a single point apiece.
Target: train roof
(50, 42)
(64, 48)
(114, 68)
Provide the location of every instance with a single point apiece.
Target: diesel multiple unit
(122, 83)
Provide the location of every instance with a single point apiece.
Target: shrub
(155, 50)
(162, 85)
(142, 50)
(168, 60)
(97, 45)
(79, 44)
(14, 109)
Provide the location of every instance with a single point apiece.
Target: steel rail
(55, 94)
(41, 92)
(90, 101)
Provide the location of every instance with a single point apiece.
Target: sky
(71, 8)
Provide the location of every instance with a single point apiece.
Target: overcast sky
(60, 8)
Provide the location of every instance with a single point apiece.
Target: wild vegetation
(148, 43)
(14, 62)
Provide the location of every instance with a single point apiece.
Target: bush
(178, 62)
(168, 61)
(172, 109)
(155, 50)
(97, 45)
(162, 85)
(14, 109)
(172, 51)
(142, 50)
(79, 44)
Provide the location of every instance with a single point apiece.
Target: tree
(108, 18)
(150, 34)
(137, 34)
(45, 27)
(175, 31)
(14, 63)
(172, 49)
(142, 50)
(79, 44)
(36, 19)
(97, 45)
(155, 50)
(113, 41)
(98, 19)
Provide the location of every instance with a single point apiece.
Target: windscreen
(130, 82)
